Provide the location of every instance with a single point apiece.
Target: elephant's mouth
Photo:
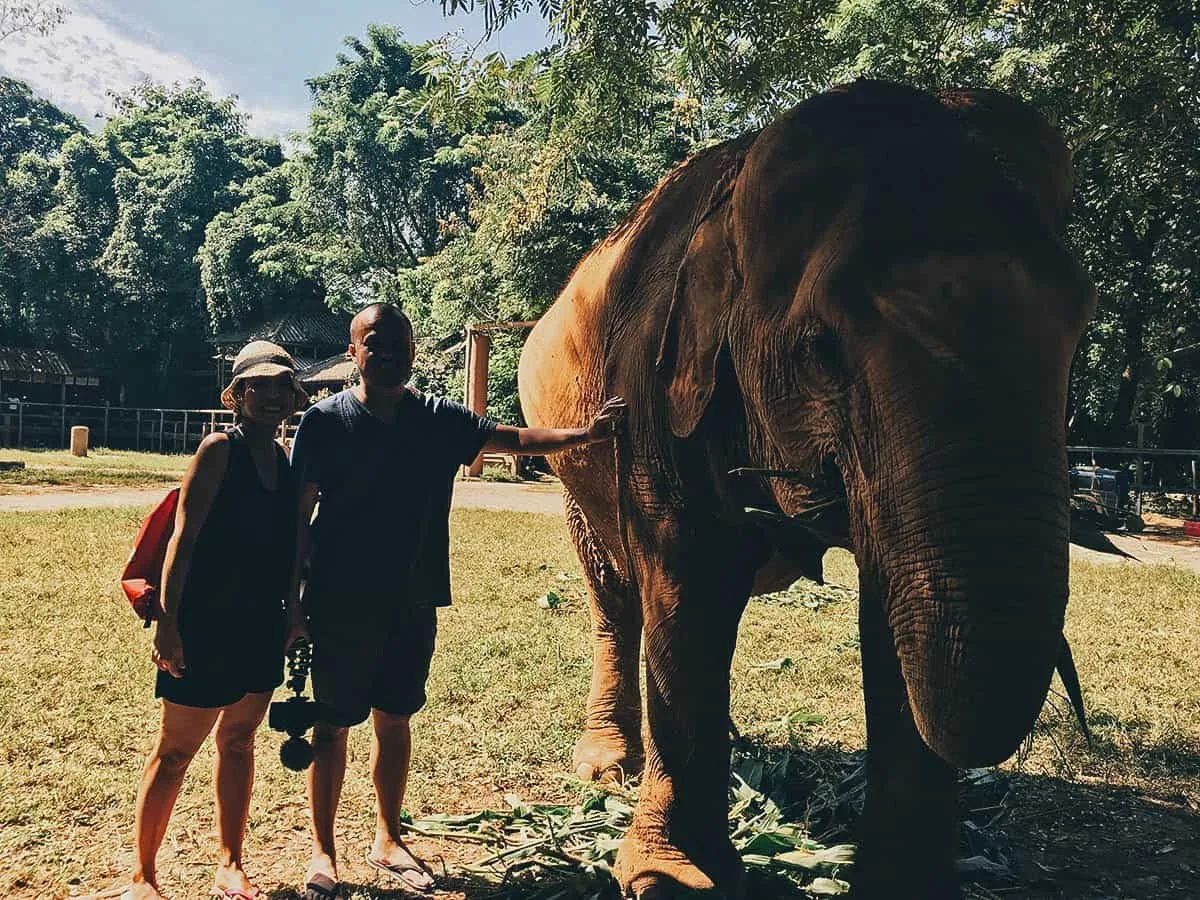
(811, 506)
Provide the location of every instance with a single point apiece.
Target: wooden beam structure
(479, 347)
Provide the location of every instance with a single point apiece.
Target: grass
(107, 467)
(505, 705)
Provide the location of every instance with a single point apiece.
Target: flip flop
(322, 887)
(397, 870)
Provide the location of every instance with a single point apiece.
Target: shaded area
(1023, 836)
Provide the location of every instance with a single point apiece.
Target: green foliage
(382, 172)
(1121, 79)
(106, 257)
(29, 124)
(263, 257)
(466, 187)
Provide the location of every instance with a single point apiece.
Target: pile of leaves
(553, 852)
(809, 594)
(789, 808)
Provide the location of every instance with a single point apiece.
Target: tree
(110, 229)
(1122, 79)
(541, 199)
(377, 176)
(30, 124)
(30, 17)
(264, 256)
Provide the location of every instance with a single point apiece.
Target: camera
(297, 714)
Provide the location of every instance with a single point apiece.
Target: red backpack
(143, 573)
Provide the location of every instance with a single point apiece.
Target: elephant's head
(888, 280)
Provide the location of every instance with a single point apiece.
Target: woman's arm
(196, 495)
(297, 627)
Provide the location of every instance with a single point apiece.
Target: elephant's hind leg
(611, 744)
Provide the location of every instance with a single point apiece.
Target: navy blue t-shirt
(381, 539)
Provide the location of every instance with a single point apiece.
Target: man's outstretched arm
(543, 441)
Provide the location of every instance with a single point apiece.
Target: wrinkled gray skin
(873, 290)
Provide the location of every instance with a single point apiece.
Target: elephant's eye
(821, 354)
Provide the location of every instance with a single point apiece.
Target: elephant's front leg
(908, 834)
(611, 744)
(679, 835)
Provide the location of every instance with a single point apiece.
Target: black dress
(231, 616)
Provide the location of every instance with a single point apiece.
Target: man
(382, 458)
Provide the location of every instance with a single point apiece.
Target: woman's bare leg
(233, 775)
(182, 731)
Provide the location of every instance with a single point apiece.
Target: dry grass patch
(506, 703)
(100, 466)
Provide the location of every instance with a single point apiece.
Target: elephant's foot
(607, 755)
(652, 868)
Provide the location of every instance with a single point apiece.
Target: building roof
(294, 329)
(334, 370)
(22, 360)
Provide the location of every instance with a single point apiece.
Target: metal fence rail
(1143, 455)
(48, 425)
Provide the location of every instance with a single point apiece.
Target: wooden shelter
(309, 335)
(44, 376)
(332, 373)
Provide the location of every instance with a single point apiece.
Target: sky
(260, 50)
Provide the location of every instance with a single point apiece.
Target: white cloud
(86, 57)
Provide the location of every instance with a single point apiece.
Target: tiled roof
(14, 360)
(295, 329)
(334, 370)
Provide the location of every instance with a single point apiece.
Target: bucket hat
(260, 359)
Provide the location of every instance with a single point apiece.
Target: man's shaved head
(381, 345)
(373, 314)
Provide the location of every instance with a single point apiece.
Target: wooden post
(79, 440)
(106, 412)
(1138, 469)
(1195, 497)
(137, 443)
(479, 346)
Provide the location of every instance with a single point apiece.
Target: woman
(219, 644)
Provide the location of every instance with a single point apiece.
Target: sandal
(398, 870)
(237, 894)
(322, 887)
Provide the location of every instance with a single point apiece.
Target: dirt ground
(1162, 543)
(535, 496)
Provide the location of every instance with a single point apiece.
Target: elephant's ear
(698, 321)
(1031, 150)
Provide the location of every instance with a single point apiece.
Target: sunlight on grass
(100, 466)
(506, 696)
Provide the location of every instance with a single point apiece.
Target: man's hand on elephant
(608, 421)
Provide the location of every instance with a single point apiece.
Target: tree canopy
(466, 187)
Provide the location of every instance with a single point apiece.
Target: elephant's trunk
(976, 558)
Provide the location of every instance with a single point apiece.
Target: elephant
(868, 309)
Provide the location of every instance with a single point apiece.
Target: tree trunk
(1133, 347)
(1133, 356)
